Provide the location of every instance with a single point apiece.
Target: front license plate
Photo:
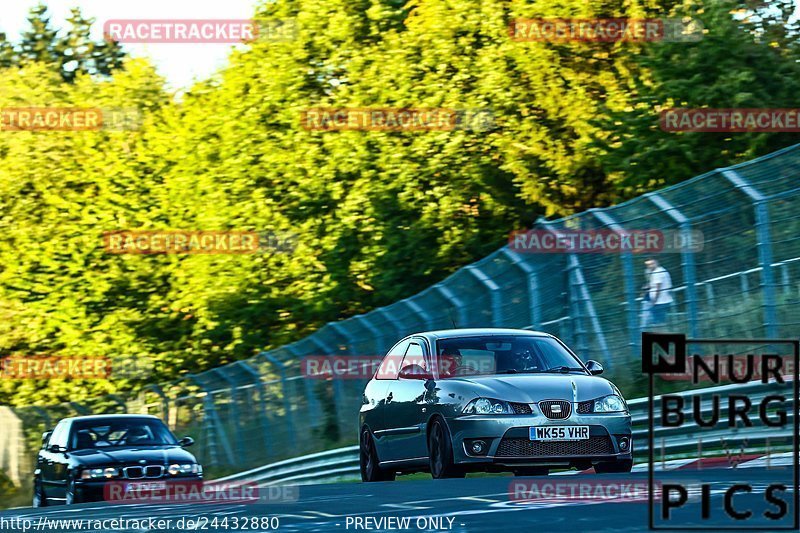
(140, 486)
(559, 433)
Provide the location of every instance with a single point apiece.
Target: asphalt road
(472, 504)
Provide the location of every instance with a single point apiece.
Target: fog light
(478, 447)
(624, 443)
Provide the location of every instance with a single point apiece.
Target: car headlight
(186, 468)
(99, 473)
(610, 404)
(487, 406)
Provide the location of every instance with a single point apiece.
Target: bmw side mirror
(185, 442)
(55, 448)
(594, 367)
(46, 437)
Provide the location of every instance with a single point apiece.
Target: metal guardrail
(329, 466)
(341, 464)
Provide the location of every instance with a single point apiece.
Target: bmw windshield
(120, 432)
(512, 354)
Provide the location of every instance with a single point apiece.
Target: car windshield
(512, 354)
(119, 432)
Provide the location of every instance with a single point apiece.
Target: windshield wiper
(562, 369)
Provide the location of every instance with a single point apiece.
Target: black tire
(369, 462)
(39, 497)
(531, 471)
(440, 451)
(614, 467)
(71, 497)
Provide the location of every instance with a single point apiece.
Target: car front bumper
(507, 441)
(116, 490)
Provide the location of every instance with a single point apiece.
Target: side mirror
(185, 442)
(594, 367)
(46, 437)
(55, 448)
(414, 372)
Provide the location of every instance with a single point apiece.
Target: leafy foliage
(377, 215)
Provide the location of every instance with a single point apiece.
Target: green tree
(71, 54)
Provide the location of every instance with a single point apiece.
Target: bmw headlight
(99, 473)
(487, 406)
(187, 468)
(610, 404)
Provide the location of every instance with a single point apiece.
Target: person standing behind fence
(659, 292)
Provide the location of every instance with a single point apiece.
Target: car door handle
(389, 398)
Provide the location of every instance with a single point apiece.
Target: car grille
(555, 409)
(520, 447)
(584, 408)
(521, 408)
(139, 472)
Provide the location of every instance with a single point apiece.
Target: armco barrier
(333, 465)
(342, 464)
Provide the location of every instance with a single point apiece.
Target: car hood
(161, 455)
(530, 388)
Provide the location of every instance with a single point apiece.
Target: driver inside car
(452, 364)
(137, 435)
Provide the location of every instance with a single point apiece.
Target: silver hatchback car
(450, 402)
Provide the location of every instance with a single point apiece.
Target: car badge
(556, 408)
(142, 461)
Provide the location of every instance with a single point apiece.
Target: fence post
(687, 259)
(458, 304)
(397, 325)
(234, 408)
(341, 330)
(262, 399)
(426, 317)
(45, 417)
(215, 432)
(628, 283)
(119, 401)
(338, 392)
(164, 400)
(78, 408)
(494, 292)
(578, 284)
(311, 399)
(533, 286)
(287, 403)
(764, 245)
(380, 345)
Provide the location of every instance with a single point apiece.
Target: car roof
(107, 417)
(475, 332)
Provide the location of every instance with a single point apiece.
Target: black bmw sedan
(83, 456)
